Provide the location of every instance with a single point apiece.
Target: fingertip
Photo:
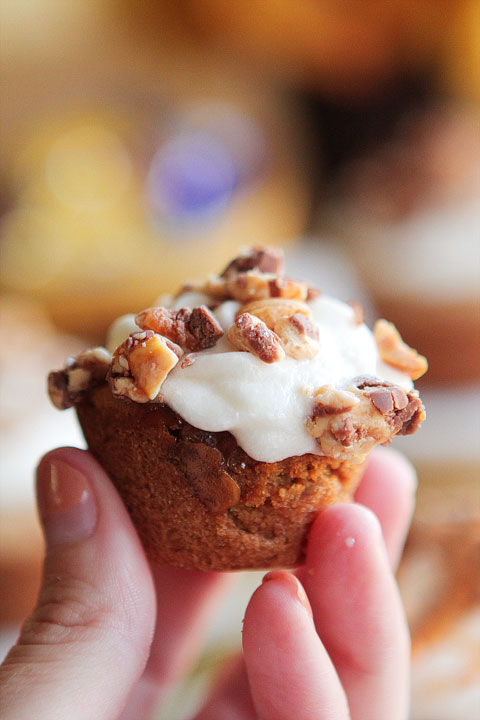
(82, 460)
(289, 671)
(342, 530)
(96, 607)
(66, 500)
(68, 473)
(281, 588)
(82, 463)
(279, 604)
(357, 608)
(89, 532)
(289, 584)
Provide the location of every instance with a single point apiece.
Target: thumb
(86, 644)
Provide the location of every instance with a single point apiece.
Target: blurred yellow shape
(34, 249)
(88, 168)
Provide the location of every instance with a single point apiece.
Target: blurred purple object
(190, 176)
(196, 171)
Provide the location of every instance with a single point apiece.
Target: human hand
(91, 648)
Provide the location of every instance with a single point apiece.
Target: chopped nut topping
(144, 360)
(344, 425)
(387, 400)
(264, 259)
(271, 310)
(58, 390)
(216, 287)
(397, 353)
(364, 381)
(347, 434)
(312, 293)
(250, 334)
(120, 366)
(251, 285)
(243, 287)
(164, 322)
(286, 288)
(188, 360)
(255, 276)
(358, 312)
(402, 409)
(349, 423)
(126, 387)
(299, 336)
(150, 363)
(173, 347)
(410, 418)
(329, 401)
(204, 327)
(192, 330)
(96, 360)
(68, 386)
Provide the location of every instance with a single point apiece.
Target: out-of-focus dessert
(439, 581)
(229, 415)
(411, 214)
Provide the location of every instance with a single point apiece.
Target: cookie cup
(197, 500)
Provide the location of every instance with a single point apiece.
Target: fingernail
(292, 584)
(66, 502)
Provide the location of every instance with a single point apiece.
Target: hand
(329, 642)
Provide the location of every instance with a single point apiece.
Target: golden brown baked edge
(197, 499)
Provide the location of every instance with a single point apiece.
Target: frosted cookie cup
(229, 416)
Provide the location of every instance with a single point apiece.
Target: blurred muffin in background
(410, 214)
(110, 205)
(439, 581)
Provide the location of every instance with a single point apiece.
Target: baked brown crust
(197, 499)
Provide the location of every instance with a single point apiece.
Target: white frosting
(119, 330)
(265, 406)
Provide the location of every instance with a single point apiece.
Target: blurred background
(144, 142)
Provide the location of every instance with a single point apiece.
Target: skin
(111, 635)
